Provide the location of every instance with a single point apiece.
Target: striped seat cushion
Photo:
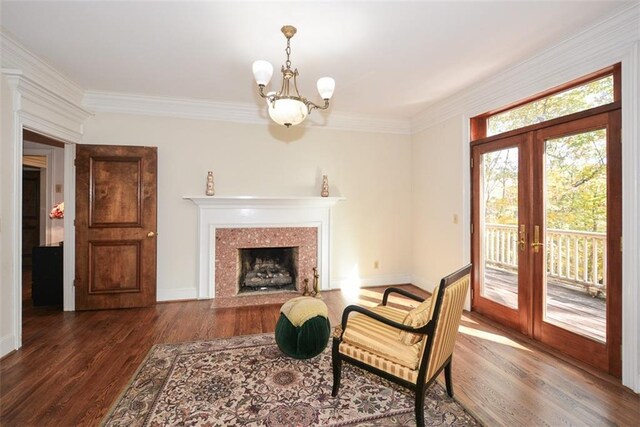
(381, 363)
(379, 339)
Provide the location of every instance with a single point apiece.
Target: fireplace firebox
(267, 269)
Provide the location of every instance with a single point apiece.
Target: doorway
(547, 217)
(42, 224)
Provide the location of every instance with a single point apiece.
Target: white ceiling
(389, 59)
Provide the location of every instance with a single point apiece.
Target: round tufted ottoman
(303, 328)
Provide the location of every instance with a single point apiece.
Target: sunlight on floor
(351, 287)
(491, 337)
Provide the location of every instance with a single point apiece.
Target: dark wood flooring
(73, 366)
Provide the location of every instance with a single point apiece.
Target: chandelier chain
(288, 51)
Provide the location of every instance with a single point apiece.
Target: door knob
(151, 234)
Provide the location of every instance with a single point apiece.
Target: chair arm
(388, 291)
(356, 308)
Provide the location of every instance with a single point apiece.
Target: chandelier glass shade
(287, 107)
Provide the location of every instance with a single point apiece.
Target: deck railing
(575, 257)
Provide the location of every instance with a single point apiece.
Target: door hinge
(74, 282)
(472, 162)
(620, 243)
(74, 222)
(471, 228)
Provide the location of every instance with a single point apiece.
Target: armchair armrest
(407, 294)
(423, 330)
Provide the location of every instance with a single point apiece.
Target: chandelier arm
(261, 91)
(313, 106)
(295, 82)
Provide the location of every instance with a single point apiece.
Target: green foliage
(576, 182)
(580, 98)
(575, 166)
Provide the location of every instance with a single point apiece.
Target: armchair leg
(420, 392)
(447, 378)
(337, 367)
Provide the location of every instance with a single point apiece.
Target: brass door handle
(536, 239)
(522, 237)
(151, 234)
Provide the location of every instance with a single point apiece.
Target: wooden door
(30, 214)
(116, 224)
(583, 261)
(501, 267)
(546, 239)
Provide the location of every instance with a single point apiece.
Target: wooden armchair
(410, 348)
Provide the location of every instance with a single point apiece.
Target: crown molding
(599, 46)
(37, 94)
(16, 56)
(124, 103)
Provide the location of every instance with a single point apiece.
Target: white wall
(371, 170)
(437, 171)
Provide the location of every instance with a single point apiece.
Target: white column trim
(630, 215)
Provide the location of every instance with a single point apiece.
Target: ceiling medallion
(287, 107)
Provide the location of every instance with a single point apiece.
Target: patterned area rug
(248, 381)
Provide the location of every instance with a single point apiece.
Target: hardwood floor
(73, 366)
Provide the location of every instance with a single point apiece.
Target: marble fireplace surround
(246, 212)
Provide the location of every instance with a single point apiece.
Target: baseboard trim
(366, 282)
(6, 345)
(176, 294)
(423, 283)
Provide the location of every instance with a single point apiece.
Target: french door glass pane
(575, 201)
(499, 221)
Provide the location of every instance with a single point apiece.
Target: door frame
(69, 208)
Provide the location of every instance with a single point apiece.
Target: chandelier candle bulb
(326, 86)
(287, 107)
(262, 72)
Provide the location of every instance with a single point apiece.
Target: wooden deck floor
(567, 308)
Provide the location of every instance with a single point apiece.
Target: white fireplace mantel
(254, 202)
(247, 211)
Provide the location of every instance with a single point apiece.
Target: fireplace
(267, 269)
(226, 224)
(263, 265)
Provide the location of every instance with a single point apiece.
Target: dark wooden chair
(410, 348)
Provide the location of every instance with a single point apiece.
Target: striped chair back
(448, 313)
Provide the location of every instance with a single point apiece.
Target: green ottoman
(303, 328)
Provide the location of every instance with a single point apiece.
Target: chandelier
(287, 107)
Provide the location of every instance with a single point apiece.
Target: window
(589, 95)
(594, 90)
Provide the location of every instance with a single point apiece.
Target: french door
(546, 234)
